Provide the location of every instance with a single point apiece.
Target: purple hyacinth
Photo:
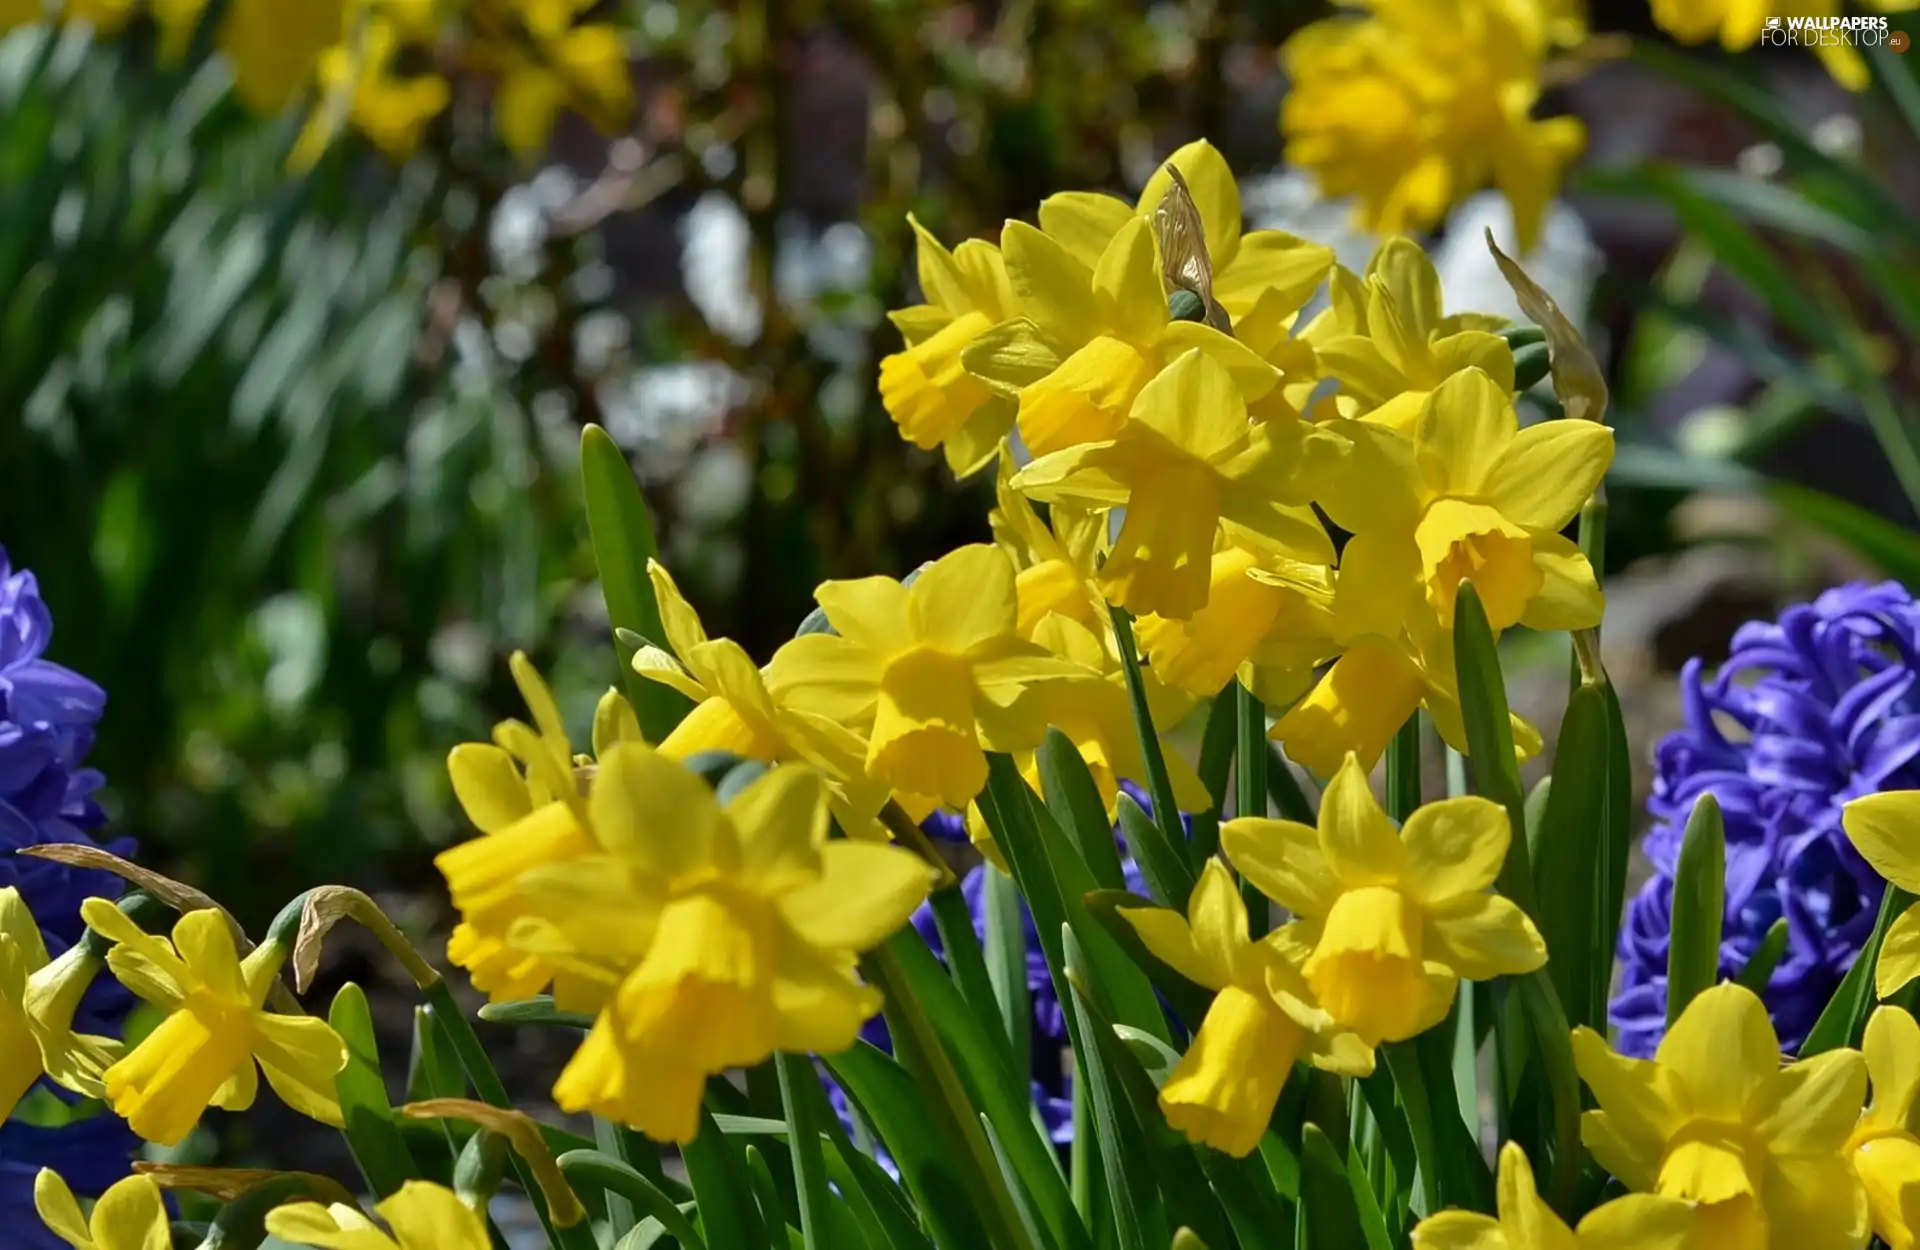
(47, 719)
(1808, 712)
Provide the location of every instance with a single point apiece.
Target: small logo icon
(1773, 22)
(1899, 41)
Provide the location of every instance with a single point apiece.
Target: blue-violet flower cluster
(1808, 712)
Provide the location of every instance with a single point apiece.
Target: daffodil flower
(38, 999)
(721, 934)
(1526, 1222)
(550, 64)
(524, 795)
(1884, 1146)
(735, 711)
(1091, 338)
(1054, 560)
(926, 389)
(272, 46)
(360, 84)
(422, 1215)
(1263, 1018)
(1885, 829)
(1268, 618)
(1470, 495)
(1185, 463)
(1390, 342)
(129, 1216)
(1387, 921)
(1268, 270)
(932, 674)
(1714, 1119)
(216, 1029)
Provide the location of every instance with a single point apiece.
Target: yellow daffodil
(1387, 921)
(1737, 25)
(1264, 611)
(721, 934)
(547, 63)
(1714, 1119)
(1470, 495)
(1884, 1146)
(1054, 560)
(1092, 338)
(273, 45)
(216, 1030)
(1263, 1018)
(1409, 108)
(524, 795)
(926, 389)
(360, 83)
(1526, 1222)
(129, 1216)
(1885, 829)
(38, 999)
(422, 1215)
(1267, 269)
(932, 673)
(1186, 462)
(735, 711)
(1389, 340)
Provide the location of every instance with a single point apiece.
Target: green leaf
(1895, 549)
(1132, 1178)
(1219, 743)
(1006, 955)
(1610, 881)
(591, 1171)
(1766, 957)
(1074, 799)
(1162, 863)
(1284, 788)
(1260, 1221)
(1189, 1001)
(1561, 1092)
(1490, 752)
(1169, 847)
(722, 1190)
(798, 1084)
(1250, 790)
(372, 1134)
(1846, 1012)
(1699, 897)
(538, 1010)
(623, 542)
(1572, 842)
(1329, 1217)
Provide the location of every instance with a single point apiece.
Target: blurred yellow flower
(216, 1030)
(1714, 1119)
(273, 45)
(1187, 461)
(1089, 338)
(360, 84)
(1387, 921)
(422, 1215)
(1737, 25)
(926, 388)
(735, 711)
(1268, 617)
(129, 1216)
(1263, 1018)
(1526, 1222)
(932, 673)
(1885, 829)
(547, 63)
(38, 999)
(716, 935)
(1884, 1146)
(1410, 107)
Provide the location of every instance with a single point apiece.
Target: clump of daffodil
(1409, 108)
(1526, 1222)
(38, 999)
(932, 673)
(421, 1215)
(926, 388)
(1091, 338)
(1266, 270)
(129, 1216)
(1387, 921)
(1885, 829)
(1468, 496)
(1268, 618)
(272, 45)
(362, 81)
(735, 711)
(1714, 1119)
(1186, 462)
(548, 60)
(216, 1030)
(525, 793)
(1388, 339)
(1263, 1018)
(1737, 25)
(1884, 1146)
(715, 936)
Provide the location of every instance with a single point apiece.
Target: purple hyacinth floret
(47, 718)
(1808, 712)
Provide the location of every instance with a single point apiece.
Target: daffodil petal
(965, 599)
(1056, 289)
(300, 1056)
(1282, 858)
(1639, 1109)
(654, 811)
(1487, 936)
(864, 893)
(59, 1209)
(1892, 1050)
(1463, 432)
(1549, 471)
(1127, 281)
(1819, 1103)
(1639, 1222)
(1459, 1230)
(1167, 936)
(1083, 222)
(819, 1006)
(1722, 1048)
(1885, 829)
(1359, 842)
(781, 821)
(1454, 847)
(1569, 596)
(432, 1217)
(1816, 1203)
(130, 1216)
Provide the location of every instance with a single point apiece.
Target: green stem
(809, 1164)
(1159, 782)
(1403, 770)
(1250, 789)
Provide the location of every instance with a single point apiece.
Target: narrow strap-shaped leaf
(1219, 744)
(1329, 1219)
(1074, 799)
(1490, 753)
(623, 542)
(1250, 789)
(878, 1204)
(965, 959)
(1766, 957)
(1562, 1087)
(1168, 848)
(591, 1170)
(1132, 1185)
(809, 1167)
(375, 1139)
(1163, 864)
(1006, 955)
(1284, 788)
(1572, 845)
(1846, 1012)
(1188, 1000)
(728, 1212)
(1260, 1221)
(1699, 897)
(1610, 881)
